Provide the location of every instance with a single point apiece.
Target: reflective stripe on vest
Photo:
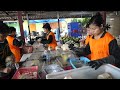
(100, 48)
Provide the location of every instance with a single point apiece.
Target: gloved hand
(97, 63)
(71, 46)
(79, 52)
(16, 65)
(84, 59)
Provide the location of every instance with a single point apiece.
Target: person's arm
(81, 51)
(45, 41)
(87, 49)
(7, 52)
(7, 49)
(114, 50)
(5, 70)
(17, 43)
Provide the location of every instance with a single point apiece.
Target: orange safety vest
(86, 42)
(53, 44)
(100, 48)
(14, 49)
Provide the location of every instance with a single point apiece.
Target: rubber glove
(84, 59)
(97, 63)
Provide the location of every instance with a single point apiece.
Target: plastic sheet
(53, 68)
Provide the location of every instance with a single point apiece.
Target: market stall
(61, 63)
(46, 60)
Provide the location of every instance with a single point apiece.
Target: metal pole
(58, 25)
(28, 26)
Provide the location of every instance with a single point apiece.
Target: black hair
(97, 20)
(107, 27)
(4, 28)
(47, 26)
(12, 29)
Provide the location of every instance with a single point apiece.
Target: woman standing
(50, 37)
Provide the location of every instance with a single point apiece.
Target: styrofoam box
(86, 72)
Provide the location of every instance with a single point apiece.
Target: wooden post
(21, 25)
(28, 26)
(103, 13)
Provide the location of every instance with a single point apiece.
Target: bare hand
(7, 70)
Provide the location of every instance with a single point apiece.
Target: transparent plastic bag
(38, 47)
(53, 68)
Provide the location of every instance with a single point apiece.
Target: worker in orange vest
(14, 44)
(102, 45)
(50, 37)
(5, 51)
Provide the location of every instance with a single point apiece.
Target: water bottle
(47, 54)
(47, 57)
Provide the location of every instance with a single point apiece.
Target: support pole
(28, 26)
(103, 13)
(58, 26)
(21, 25)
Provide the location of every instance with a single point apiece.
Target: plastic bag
(53, 68)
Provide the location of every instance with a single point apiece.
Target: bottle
(47, 54)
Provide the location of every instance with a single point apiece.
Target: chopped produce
(105, 76)
(70, 40)
(29, 75)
